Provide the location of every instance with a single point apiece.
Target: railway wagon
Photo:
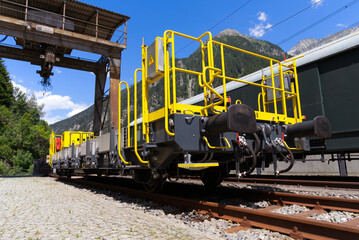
(329, 83)
(208, 139)
(329, 88)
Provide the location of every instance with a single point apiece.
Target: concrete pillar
(115, 76)
(99, 92)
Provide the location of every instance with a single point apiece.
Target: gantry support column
(115, 75)
(99, 92)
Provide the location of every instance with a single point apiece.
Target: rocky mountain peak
(311, 43)
(230, 32)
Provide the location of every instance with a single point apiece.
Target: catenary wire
(353, 24)
(318, 22)
(225, 18)
(287, 18)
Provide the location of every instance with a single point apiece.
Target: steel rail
(309, 228)
(318, 183)
(331, 203)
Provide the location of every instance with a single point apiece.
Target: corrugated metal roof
(81, 15)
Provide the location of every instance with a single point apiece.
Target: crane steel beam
(33, 57)
(59, 37)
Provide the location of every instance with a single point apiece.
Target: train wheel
(154, 186)
(212, 177)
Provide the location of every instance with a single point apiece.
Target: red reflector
(58, 144)
(304, 117)
(229, 99)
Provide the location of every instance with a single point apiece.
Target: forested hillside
(82, 121)
(23, 135)
(236, 64)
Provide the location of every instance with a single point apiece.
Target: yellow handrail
(299, 119)
(300, 147)
(135, 117)
(259, 101)
(119, 121)
(224, 80)
(209, 73)
(168, 37)
(52, 147)
(274, 91)
(214, 147)
(166, 82)
(281, 89)
(246, 52)
(145, 129)
(211, 90)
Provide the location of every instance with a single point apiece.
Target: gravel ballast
(335, 216)
(290, 210)
(43, 208)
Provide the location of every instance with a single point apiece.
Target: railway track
(314, 181)
(297, 226)
(317, 181)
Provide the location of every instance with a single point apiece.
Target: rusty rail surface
(295, 226)
(316, 183)
(282, 198)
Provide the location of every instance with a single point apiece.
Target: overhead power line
(230, 15)
(353, 24)
(286, 19)
(318, 22)
(215, 25)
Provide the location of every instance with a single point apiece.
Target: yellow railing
(119, 121)
(284, 95)
(208, 69)
(217, 147)
(135, 117)
(275, 109)
(52, 150)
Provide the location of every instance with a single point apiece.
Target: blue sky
(73, 90)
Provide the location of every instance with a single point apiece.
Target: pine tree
(23, 135)
(6, 88)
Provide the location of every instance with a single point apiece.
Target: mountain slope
(81, 121)
(311, 43)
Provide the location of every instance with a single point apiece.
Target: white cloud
(14, 78)
(341, 25)
(317, 3)
(22, 88)
(53, 103)
(259, 29)
(51, 120)
(262, 16)
(58, 71)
